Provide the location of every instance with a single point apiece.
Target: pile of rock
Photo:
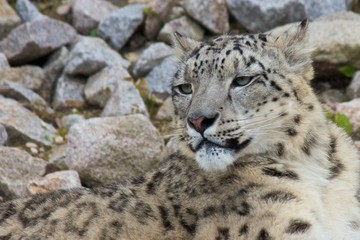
(53, 73)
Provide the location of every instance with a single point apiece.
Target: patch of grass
(343, 121)
(340, 120)
(48, 138)
(152, 106)
(93, 32)
(348, 70)
(355, 6)
(149, 11)
(90, 112)
(47, 5)
(62, 132)
(12, 3)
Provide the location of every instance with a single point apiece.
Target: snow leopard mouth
(231, 144)
(211, 156)
(207, 144)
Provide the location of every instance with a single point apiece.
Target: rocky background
(84, 85)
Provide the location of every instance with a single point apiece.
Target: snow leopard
(256, 158)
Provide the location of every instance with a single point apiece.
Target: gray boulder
(159, 79)
(100, 86)
(315, 9)
(105, 150)
(27, 11)
(353, 90)
(83, 64)
(54, 181)
(69, 92)
(212, 14)
(336, 38)
(151, 57)
(20, 93)
(35, 39)
(90, 55)
(182, 25)
(125, 100)
(86, 14)
(8, 18)
(331, 95)
(3, 135)
(176, 12)
(117, 27)
(56, 63)
(23, 125)
(3, 62)
(257, 15)
(17, 168)
(53, 69)
(57, 156)
(71, 119)
(31, 77)
(160, 12)
(166, 110)
(344, 15)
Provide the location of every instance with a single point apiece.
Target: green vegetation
(93, 32)
(340, 120)
(63, 131)
(149, 11)
(12, 3)
(48, 138)
(343, 121)
(348, 70)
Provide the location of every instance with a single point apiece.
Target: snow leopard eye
(242, 81)
(185, 88)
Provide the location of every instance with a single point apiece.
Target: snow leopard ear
(183, 45)
(293, 42)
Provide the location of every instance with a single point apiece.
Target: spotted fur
(257, 159)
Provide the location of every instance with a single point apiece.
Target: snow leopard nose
(200, 124)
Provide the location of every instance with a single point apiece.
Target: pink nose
(197, 124)
(200, 124)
